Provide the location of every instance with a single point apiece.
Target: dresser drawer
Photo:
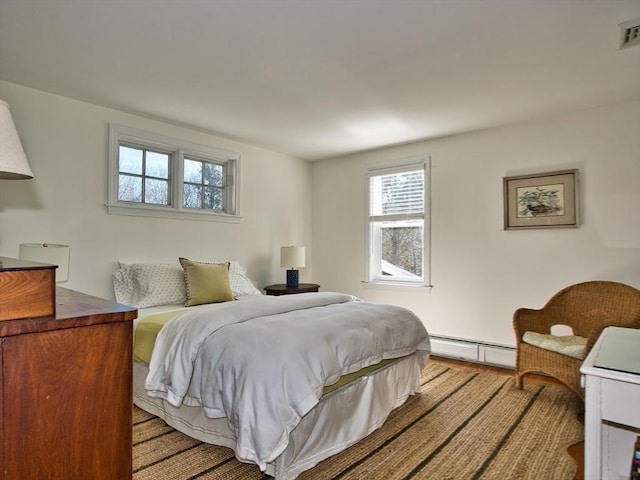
(621, 402)
(28, 289)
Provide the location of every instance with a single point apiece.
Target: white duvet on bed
(263, 363)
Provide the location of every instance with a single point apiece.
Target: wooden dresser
(66, 392)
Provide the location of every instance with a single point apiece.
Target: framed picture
(544, 200)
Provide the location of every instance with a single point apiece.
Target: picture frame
(542, 200)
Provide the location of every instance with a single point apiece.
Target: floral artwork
(543, 200)
(540, 201)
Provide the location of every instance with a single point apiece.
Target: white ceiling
(320, 78)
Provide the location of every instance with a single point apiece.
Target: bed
(285, 381)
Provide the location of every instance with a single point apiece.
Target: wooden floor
(576, 451)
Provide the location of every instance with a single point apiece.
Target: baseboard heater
(473, 351)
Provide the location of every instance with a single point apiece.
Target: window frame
(373, 258)
(178, 149)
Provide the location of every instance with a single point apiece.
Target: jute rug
(464, 424)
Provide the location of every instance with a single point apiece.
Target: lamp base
(292, 278)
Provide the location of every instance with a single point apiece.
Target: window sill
(166, 212)
(376, 284)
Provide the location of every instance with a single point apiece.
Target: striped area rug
(464, 424)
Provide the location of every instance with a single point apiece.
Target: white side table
(611, 378)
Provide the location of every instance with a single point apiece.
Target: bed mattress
(348, 410)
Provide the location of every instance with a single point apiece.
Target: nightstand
(281, 289)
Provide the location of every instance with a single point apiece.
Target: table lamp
(51, 253)
(292, 258)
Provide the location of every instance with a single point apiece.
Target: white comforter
(263, 363)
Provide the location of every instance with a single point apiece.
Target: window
(152, 175)
(204, 185)
(143, 175)
(398, 224)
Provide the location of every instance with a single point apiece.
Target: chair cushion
(570, 345)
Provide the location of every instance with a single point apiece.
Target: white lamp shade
(292, 257)
(50, 253)
(13, 161)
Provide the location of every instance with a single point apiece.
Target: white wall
(480, 272)
(66, 142)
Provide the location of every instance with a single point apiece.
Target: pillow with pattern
(143, 285)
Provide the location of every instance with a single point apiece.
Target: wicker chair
(587, 308)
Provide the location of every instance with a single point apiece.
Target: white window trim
(398, 166)
(121, 133)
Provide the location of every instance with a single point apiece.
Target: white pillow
(239, 282)
(143, 285)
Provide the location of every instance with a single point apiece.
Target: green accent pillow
(206, 282)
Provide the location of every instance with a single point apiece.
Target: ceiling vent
(630, 33)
